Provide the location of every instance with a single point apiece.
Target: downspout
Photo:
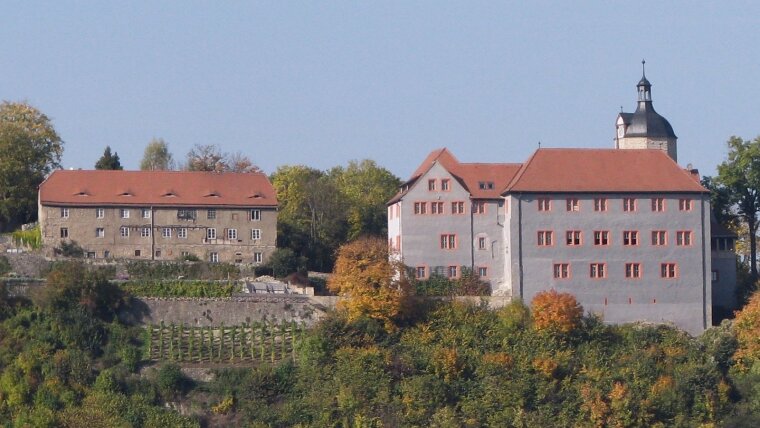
(152, 234)
(519, 243)
(472, 237)
(704, 267)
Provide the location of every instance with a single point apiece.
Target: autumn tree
(109, 161)
(238, 162)
(206, 157)
(369, 282)
(746, 326)
(29, 150)
(740, 176)
(556, 312)
(157, 156)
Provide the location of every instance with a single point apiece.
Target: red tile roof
(172, 188)
(470, 175)
(602, 170)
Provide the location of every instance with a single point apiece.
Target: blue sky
(321, 83)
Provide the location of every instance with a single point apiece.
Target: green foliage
(5, 265)
(109, 161)
(149, 270)
(171, 382)
(31, 238)
(467, 284)
(283, 262)
(179, 288)
(30, 149)
(157, 156)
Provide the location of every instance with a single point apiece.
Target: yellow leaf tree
(747, 328)
(370, 283)
(556, 312)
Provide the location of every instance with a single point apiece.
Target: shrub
(556, 312)
(5, 265)
(31, 238)
(69, 249)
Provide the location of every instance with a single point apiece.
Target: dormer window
(213, 194)
(485, 185)
(169, 194)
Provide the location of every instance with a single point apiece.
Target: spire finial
(643, 69)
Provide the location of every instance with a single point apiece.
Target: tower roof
(645, 121)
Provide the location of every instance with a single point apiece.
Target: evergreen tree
(108, 161)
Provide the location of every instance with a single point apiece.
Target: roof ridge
(520, 173)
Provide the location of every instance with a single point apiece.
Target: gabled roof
(602, 170)
(167, 188)
(469, 175)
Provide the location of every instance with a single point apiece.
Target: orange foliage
(556, 312)
(369, 282)
(747, 329)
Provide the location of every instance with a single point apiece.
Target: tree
(556, 312)
(108, 161)
(238, 162)
(29, 150)
(157, 156)
(746, 326)
(206, 158)
(740, 175)
(371, 284)
(366, 188)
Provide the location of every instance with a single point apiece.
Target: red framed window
(683, 238)
(436, 208)
(483, 272)
(630, 237)
(601, 237)
(457, 207)
(629, 204)
(561, 270)
(421, 272)
(573, 238)
(633, 270)
(684, 204)
(445, 184)
(597, 270)
(431, 184)
(452, 271)
(668, 270)
(545, 238)
(600, 204)
(573, 204)
(544, 204)
(658, 204)
(420, 208)
(448, 241)
(478, 207)
(659, 237)
(482, 242)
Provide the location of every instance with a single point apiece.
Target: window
(420, 207)
(213, 257)
(601, 237)
(436, 207)
(479, 207)
(452, 272)
(545, 238)
(658, 204)
(100, 232)
(668, 270)
(64, 213)
(485, 185)
(64, 232)
(158, 253)
(573, 204)
(145, 213)
(633, 270)
(481, 243)
(182, 233)
(715, 276)
(100, 213)
(431, 185)
(629, 204)
(255, 215)
(597, 270)
(231, 234)
(630, 237)
(90, 255)
(659, 237)
(684, 204)
(166, 232)
(124, 232)
(255, 234)
(186, 214)
(211, 233)
(544, 204)
(445, 185)
(420, 272)
(600, 204)
(573, 238)
(561, 270)
(138, 253)
(258, 257)
(448, 241)
(483, 272)
(124, 213)
(683, 238)
(211, 214)
(457, 207)
(185, 254)
(106, 254)
(145, 232)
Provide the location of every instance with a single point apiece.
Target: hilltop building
(160, 215)
(626, 230)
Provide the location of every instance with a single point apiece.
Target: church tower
(645, 128)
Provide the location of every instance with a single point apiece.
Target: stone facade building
(626, 230)
(160, 215)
